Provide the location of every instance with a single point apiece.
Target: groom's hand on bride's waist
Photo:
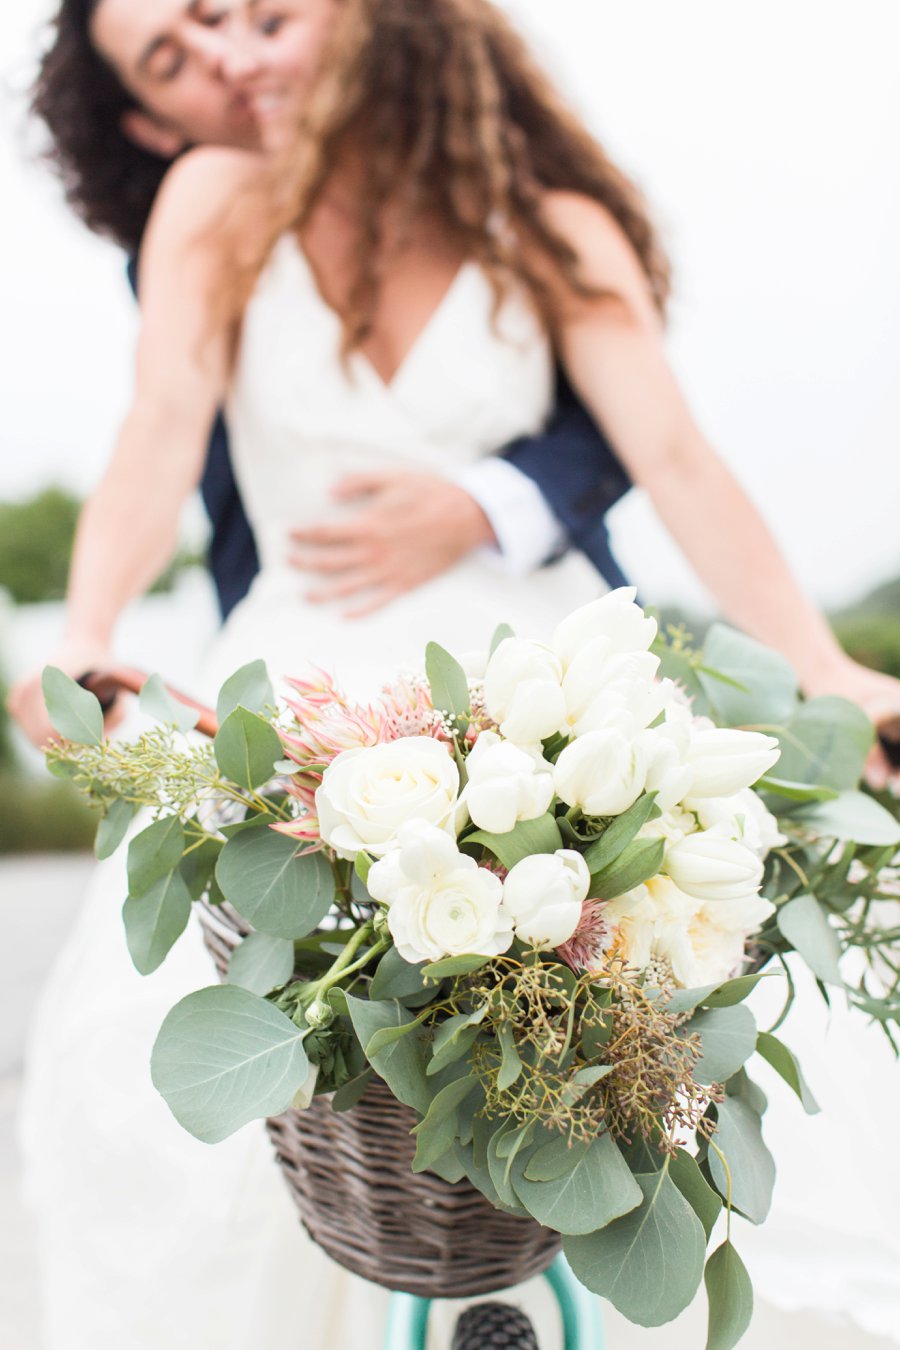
(405, 528)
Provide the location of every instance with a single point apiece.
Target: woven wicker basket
(350, 1176)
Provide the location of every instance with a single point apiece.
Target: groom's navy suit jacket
(571, 462)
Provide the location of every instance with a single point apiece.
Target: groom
(125, 86)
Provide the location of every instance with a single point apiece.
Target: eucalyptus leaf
(275, 882)
(784, 1063)
(703, 1200)
(401, 1065)
(351, 1094)
(156, 701)
(396, 978)
(551, 1161)
(155, 920)
(224, 1057)
(501, 633)
(453, 965)
(595, 1190)
(752, 1167)
(650, 1262)
(435, 1135)
(510, 1064)
(526, 838)
(261, 963)
(247, 749)
(853, 815)
(796, 792)
(113, 828)
(74, 712)
(728, 1036)
(759, 686)
(826, 743)
(449, 685)
(454, 1037)
(805, 924)
(154, 853)
(638, 861)
(730, 1296)
(249, 687)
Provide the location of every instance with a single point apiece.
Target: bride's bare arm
(128, 529)
(613, 351)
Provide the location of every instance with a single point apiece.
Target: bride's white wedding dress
(152, 1241)
(148, 1239)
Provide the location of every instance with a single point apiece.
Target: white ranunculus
(711, 866)
(439, 902)
(367, 794)
(505, 784)
(523, 693)
(673, 825)
(746, 818)
(542, 895)
(603, 772)
(703, 941)
(614, 617)
(709, 946)
(725, 760)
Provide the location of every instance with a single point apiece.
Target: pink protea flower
(326, 723)
(588, 947)
(305, 829)
(408, 710)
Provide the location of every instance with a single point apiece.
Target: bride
(386, 290)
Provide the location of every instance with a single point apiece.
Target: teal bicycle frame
(407, 1326)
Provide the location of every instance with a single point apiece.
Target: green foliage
(278, 886)
(40, 817)
(730, 1297)
(36, 537)
(224, 1057)
(649, 1263)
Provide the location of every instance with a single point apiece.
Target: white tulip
(597, 684)
(710, 866)
(439, 902)
(745, 817)
(543, 894)
(523, 693)
(614, 617)
(668, 773)
(603, 772)
(367, 794)
(505, 784)
(725, 760)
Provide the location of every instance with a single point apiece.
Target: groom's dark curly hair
(108, 180)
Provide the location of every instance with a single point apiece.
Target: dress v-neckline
(362, 360)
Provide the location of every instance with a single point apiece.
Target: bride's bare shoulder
(607, 256)
(197, 191)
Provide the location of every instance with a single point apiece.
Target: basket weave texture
(350, 1176)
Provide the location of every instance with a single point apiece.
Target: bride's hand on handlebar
(25, 701)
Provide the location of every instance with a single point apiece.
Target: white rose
(440, 902)
(542, 895)
(603, 772)
(522, 691)
(745, 817)
(726, 760)
(367, 794)
(505, 784)
(710, 866)
(614, 617)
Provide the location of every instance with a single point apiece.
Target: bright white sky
(767, 137)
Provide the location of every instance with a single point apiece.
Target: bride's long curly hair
(445, 107)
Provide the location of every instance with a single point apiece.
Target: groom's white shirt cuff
(528, 533)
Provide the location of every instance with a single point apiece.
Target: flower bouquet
(522, 902)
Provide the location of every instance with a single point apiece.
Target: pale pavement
(39, 897)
